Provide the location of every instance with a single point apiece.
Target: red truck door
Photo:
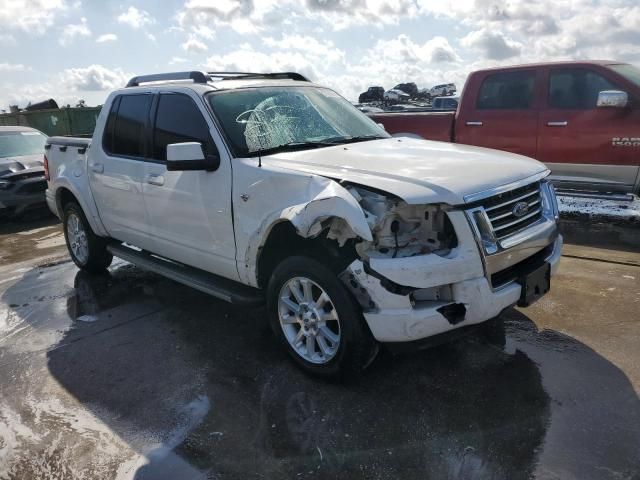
(499, 110)
(584, 145)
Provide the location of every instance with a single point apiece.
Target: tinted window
(513, 90)
(129, 127)
(107, 141)
(179, 120)
(576, 88)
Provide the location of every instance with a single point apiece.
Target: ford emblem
(520, 209)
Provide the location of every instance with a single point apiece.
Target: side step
(214, 285)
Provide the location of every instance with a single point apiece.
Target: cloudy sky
(69, 49)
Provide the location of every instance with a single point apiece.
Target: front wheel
(317, 321)
(87, 250)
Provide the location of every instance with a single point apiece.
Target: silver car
(22, 176)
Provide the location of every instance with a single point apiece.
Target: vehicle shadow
(31, 220)
(201, 389)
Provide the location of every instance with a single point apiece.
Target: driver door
(190, 211)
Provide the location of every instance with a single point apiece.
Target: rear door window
(507, 91)
(129, 126)
(576, 88)
(178, 120)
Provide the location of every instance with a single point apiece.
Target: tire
(341, 346)
(87, 250)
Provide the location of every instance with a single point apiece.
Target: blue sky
(69, 49)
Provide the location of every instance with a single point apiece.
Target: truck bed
(429, 125)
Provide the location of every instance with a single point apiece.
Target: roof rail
(197, 77)
(271, 76)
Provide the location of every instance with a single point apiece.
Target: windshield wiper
(354, 139)
(291, 147)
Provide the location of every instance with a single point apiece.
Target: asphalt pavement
(129, 375)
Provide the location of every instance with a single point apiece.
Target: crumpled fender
(331, 201)
(309, 200)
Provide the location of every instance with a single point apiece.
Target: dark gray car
(22, 180)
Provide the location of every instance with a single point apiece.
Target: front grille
(499, 209)
(520, 269)
(33, 187)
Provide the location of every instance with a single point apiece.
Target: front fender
(311, 200)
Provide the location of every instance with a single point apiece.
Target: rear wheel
(317, 321)
(87, 250)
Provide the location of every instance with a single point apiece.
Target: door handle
(97, 167)
(473, 124)
(155, 179)
(563, 123)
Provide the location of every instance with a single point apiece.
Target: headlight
(549, 200)
(4, 185)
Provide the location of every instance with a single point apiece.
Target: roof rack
(250, 75)
(197, 77)
(202, 77)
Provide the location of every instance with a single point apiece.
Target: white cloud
(243, 16)
(341, 14)
(325, 49)
(7, 39)
(33, 16)
(194, 45)
(492, 44)
(135, 18)
(12, 67)
(107, 37)
(70, 32)
(177, 60)
(249, 60)
(387, 63)
(93, 78)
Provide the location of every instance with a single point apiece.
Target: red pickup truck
(580, 118)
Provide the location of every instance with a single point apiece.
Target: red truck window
(576, 88)
(507, 91)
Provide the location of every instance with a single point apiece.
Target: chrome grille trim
(515, 222)
(512, 200)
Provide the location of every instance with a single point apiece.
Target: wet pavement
(129, 375)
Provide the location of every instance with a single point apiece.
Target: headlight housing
(5, 185)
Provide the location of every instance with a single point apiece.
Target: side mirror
(381, 126)
(612, 98)
(189, 156)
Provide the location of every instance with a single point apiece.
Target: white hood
(418, 171)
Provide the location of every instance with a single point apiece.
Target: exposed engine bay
(402, 230)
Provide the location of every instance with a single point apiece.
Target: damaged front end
(421, 273)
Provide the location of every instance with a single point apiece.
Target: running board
(219, 287)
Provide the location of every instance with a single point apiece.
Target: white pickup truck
(267, 188)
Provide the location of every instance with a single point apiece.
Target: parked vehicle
(409, 88)
(396, 96)
(373, 94)
(439, 90)
(22, 181)
(445, 103)
(266, 187)
(580, 118)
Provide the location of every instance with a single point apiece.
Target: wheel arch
(67, 193)
(284, 240)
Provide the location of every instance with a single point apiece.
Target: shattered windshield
(257, 120)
